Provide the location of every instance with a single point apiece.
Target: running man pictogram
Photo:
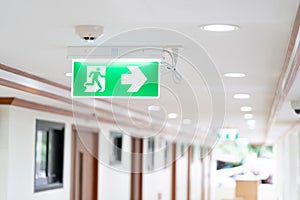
(95, 79)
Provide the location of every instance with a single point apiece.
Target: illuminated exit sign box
(122, 78)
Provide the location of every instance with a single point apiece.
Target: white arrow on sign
(136, 79)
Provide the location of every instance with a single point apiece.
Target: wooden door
(85, 164)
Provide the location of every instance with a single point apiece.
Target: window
(49, 155)
(182, 149)
(192, 153)
(151, 153)
(164, 144)
(116, 153)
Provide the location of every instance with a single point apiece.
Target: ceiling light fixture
(246, 108)
(234, 75)
(248, 116)
(241, 96)
(154, 108)
(219, 27)
(251, 122)
(172, 115)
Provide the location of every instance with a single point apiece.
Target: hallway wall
(196, 172)
(21, 155)
(114, 181)
(287, 177)
(17, 154)
(181, 174)
(4, 129)
(17, 143)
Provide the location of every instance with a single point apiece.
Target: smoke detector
(89, 33)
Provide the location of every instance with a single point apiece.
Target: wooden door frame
(74, 131)
(173, 172)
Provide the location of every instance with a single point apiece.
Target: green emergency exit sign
(117, 79)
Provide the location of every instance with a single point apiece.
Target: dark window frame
(151, 153)
(53, 144)
(116, 150)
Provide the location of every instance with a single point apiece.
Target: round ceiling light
(172, 115)
(251, 122)
(248, 116)
(246, 108)
(241, 96)
(219, 27)
(154, 108)
(234, 75)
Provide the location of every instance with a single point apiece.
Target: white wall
(114, 180)
(4, 130)
(17, 146)
(157, 182)
(196, 174)
(17, 143)
(181, 174)
(21, 156)
(287, 167)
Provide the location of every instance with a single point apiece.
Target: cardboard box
(246, 189)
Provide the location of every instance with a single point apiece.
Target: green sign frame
(135, 79)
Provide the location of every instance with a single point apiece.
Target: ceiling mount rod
(112, 52)
(288, 73)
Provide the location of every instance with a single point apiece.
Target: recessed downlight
(219, 27)
(248, 116)
(154, 108)
(69, 74)
(251, 122)
(246, 108)
(241, 96)
(234, 75)
(172, 115)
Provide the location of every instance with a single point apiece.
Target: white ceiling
(34, 36)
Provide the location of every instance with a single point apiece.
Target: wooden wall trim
(173, 172)
(55, 110)
(136, 183)
(6, 100)
(61, 99)
(80, 128)
(41, 107)
(45, 81)
(105, 112)
(45, 94)
(31, 90)
(281, 93)
(33, 77)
